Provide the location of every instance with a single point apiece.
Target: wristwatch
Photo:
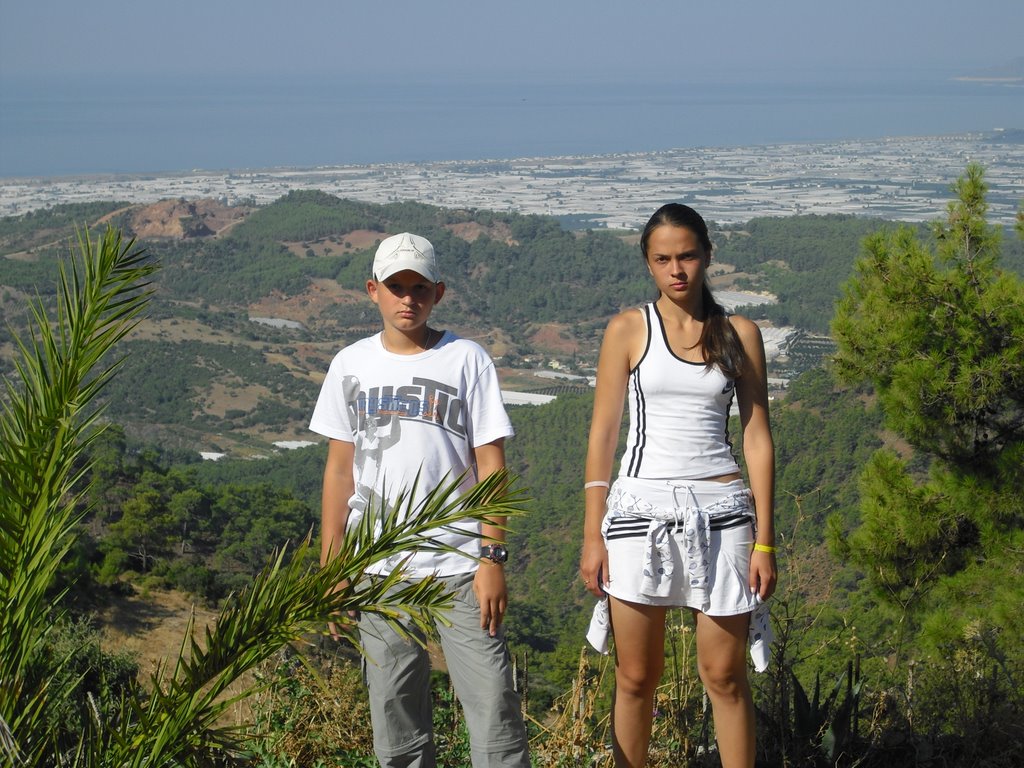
(496, 553)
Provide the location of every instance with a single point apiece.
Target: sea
(132, 125)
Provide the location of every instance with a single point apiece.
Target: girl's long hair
(718, 342)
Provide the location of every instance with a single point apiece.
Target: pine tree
(937, 330)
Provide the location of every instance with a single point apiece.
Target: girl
(678, 527)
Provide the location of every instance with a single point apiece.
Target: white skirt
(682, 543)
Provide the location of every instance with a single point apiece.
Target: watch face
(495, 552)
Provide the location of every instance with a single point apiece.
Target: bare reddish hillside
(471, 230)
(178, 219)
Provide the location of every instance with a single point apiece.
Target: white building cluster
(905, 179)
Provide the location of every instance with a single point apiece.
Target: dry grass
(151, 626)
(575, 736)
(311, 712)
(311, 715)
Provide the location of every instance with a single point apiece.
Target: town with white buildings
(906, 179)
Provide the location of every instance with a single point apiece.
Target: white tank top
(678, 414)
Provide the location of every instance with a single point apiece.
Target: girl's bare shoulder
(625, 337)
(745, 329)
(628, 322)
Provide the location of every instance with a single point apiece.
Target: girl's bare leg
(639, 632)
(722, 663)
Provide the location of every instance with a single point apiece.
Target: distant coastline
(1014, 79)
(1010, 73)
(139, 125)
(903, 178)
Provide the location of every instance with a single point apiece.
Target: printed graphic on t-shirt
(382, 409)
(374, 439)
(378, 413)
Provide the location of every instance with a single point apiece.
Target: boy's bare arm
(489, 583)
(489, 459)
(339, 485)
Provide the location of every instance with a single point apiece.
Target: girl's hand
(594, 567)
(763, 573)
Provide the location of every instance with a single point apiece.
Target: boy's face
(405, 299)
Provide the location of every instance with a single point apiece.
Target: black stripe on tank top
(637, 457)
(640, 427)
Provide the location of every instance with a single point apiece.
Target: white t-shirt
(412, 415)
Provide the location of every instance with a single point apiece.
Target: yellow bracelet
(765, 548)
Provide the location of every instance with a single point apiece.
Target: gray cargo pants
(397, 673)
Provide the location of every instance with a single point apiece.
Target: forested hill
(899, 517)
(206, 527)
(202, 374)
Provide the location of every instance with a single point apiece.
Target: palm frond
(289, 599)
(46, 422)
(44, 427)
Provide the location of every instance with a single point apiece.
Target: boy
(413, 400)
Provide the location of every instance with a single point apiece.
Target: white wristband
(596, 484)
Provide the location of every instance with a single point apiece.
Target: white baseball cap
(406, 251)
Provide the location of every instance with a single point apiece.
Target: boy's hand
(332, 627)
(491, 593)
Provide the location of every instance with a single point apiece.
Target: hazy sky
(525, 38)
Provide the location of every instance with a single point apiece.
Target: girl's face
(677, 262)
